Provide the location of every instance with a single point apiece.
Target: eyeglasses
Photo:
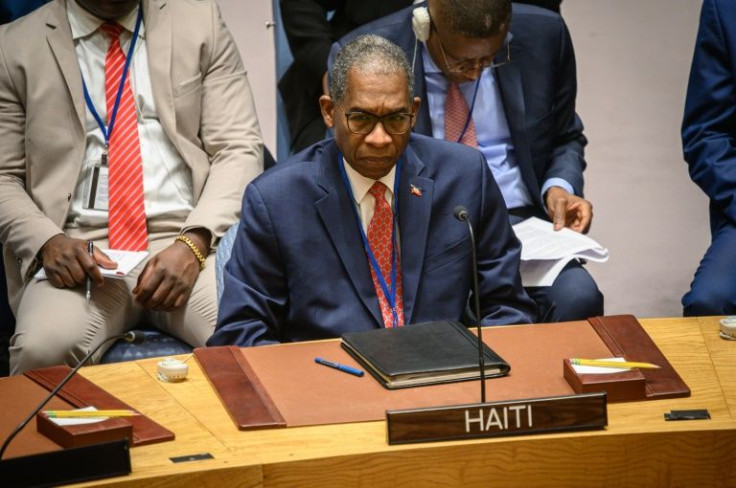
(474, 64)
(364, 123)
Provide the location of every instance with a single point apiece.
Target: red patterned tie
(127, 215)
(456, 113)
(379, 238)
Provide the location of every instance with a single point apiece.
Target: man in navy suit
(709, 145)
(515, 72)
(359, 232)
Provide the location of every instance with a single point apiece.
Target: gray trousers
(58, 326)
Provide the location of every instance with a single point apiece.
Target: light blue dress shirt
(492, 133)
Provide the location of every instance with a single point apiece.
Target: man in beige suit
(199, 145)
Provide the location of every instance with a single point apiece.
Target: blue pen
(341, 367)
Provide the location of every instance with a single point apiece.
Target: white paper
(127, 261)
(580, 369)
(545, 251)
(78, 421)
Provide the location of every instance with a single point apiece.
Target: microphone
(461, 213)
(133, 336)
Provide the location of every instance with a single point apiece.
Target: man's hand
(168, 278)
(567, 210)
(67, 262)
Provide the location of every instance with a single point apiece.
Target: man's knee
(713, 290)
(575, 296)
(195, 322)
(32, 348)
(704, 300)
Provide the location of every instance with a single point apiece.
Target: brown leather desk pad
(305, 393)
(81, 392)
(20, 394)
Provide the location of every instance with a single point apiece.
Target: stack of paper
(545, 251)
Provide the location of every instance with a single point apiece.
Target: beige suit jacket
(203, 100)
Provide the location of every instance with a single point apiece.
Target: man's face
(108, 9)
(373, 154)
(462, 58)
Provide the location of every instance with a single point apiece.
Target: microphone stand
(461, 213)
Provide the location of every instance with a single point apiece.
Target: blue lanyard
(470, 111)
(107, 131)
(390, 297)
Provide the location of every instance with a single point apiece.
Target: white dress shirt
(363, 199)
(167, 180)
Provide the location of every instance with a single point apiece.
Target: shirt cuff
(555, 182)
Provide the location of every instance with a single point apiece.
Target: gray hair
(369, 54)
(474, 18)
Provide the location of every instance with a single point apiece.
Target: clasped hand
(164, 284)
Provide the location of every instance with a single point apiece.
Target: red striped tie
(127, 215)
(380, 239)
(456, 114)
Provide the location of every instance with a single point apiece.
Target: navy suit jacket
(709, 124)
(538, 89)
(298, 270)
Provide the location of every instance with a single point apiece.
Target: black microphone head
(461, 213)
(134, 336)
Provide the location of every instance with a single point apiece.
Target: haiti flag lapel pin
(415, 190)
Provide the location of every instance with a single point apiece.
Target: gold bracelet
(194, 249)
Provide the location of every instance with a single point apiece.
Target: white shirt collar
(83, 23)
(361, 184)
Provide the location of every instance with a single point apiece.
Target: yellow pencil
(612, 364)
(89, 413)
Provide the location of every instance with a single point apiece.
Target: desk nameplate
(495, 419)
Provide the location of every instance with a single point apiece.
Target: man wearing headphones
(506, 83)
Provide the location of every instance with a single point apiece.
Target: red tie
(456, 114)
(379, 238)
(127, 215)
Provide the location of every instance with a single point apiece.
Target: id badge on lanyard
(97, 196)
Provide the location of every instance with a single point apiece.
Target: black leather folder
(422, 354)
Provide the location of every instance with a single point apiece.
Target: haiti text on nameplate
(495, 419)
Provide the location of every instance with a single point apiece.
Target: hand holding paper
(122, 263)
(545, 251)
(70, 263)
(568, 211)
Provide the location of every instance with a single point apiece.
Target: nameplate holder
(496, 419)
(74, 465)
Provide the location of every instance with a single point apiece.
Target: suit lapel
(339, 220)
(415, 212)
(512, 93)
(158, 22)
(59, 37)
(424, 122)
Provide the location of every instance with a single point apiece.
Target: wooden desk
(637, 449)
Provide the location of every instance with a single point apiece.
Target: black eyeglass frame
(477, 64)
(376, 119)
(461, 67)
